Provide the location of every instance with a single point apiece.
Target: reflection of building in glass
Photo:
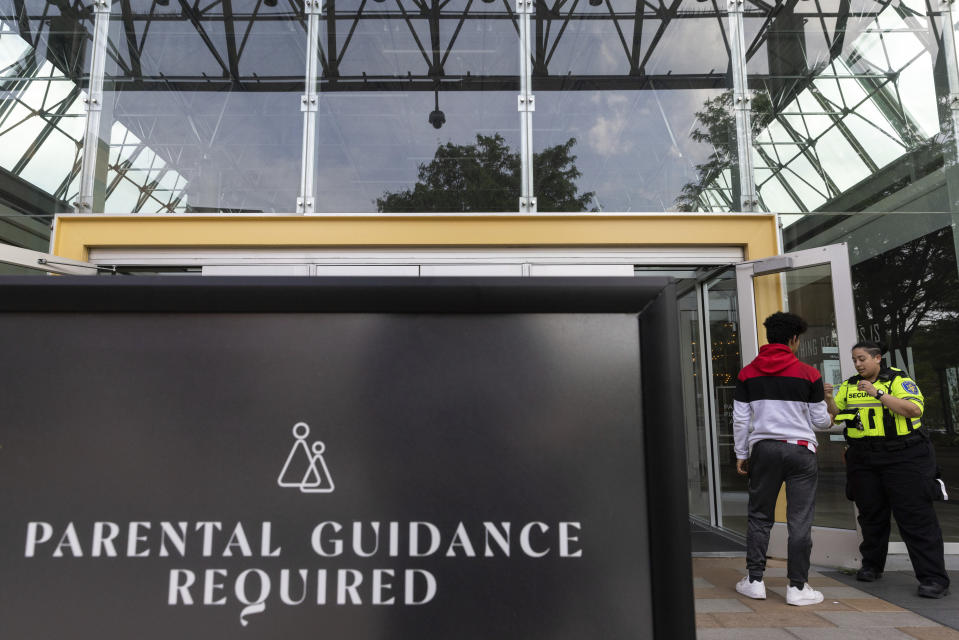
(41, 138)
(834, 121)
(866, 108)
(837, 114)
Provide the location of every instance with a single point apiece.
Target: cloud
(606, 135)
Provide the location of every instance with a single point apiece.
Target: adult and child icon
(305, 468)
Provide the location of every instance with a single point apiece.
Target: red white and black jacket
(778, 398)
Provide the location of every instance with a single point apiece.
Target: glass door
(722, 366)
(698, 459)
(815, 284)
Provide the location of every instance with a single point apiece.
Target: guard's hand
(742, 467)
(828, 388)
(865, 385)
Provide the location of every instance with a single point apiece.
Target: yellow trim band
(75, 235)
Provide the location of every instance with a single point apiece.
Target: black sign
(178, 460)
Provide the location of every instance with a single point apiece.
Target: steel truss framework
(778, 151)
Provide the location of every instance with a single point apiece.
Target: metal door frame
(835, 547)
(834, 255)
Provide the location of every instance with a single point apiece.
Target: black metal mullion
(622, 38)
(23, 22)
(333, 67)
(129, 29)
(763, 32)
(249, 27)
(660, 30)
(325, 60)
(231, 50)
(194, 18)
(559, 35)
(436, 66)
(638, 22)
(409, 24)
(456, 32)
(839, 35)
(722, 31)
(762, 6)
(349, 36)
(539, 48)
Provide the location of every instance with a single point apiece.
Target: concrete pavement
(847, 613)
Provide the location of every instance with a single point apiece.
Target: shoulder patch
(910, 387)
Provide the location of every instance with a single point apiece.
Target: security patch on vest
(910, 386)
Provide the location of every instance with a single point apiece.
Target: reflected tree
(717, 181)
(716, 128)
(906, 287)
(485, 176)
(908, 296)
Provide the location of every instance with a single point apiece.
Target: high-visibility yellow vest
(877, 421)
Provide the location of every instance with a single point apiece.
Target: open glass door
(815, 284)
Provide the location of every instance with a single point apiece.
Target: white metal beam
(94, 106)
(526, 104)
(309, 105)
(749, 200)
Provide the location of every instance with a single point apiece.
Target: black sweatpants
(771, 463)
(900, 482)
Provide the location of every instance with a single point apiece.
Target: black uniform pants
(900, 482)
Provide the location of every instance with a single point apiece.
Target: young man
(778, 402)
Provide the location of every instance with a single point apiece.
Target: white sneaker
(802, 597)
(755, 590)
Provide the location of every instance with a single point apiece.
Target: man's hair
(872, 348)
(782, 326)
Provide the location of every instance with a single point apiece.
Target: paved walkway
(846, 614)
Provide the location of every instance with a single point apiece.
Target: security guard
(890, 466)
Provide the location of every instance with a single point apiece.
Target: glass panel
(850, 102)
(629, 117)
(809, 294)
(905, 283)
(726, 361)
(44, 53)
(418, 108)
(202, 108)
(697, 451)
